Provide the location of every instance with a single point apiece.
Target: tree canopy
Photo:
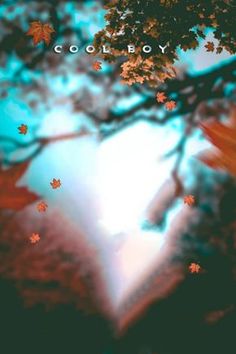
(181, 24)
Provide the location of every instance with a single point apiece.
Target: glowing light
(56, 122)
(130, 172)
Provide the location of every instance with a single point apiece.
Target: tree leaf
(170, 105)
(189, 200)
(40, 32)
(171, 23)
(13, 197)
(219, 50)
(56, 183)
(97, 65)
(42, 207)
(161, 97)
(194, 268)
(223, 137)
(23, 129)
(34, 238)
(210, 47)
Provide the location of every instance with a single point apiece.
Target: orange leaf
(56, 183)
(40, 32)
(210, 47)
(194, 268)
(223, 137)
(13, 197)
(161, 97)
(97, 65)
(189, 199)
(170, 105)
(34, 238)
(23, 129)
(42, 207)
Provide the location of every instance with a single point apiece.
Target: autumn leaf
(194, 268)
(23, 129)
(161, 97)
(13, 197)
(40, 32)
(170, 105)
(97, 65)
(223, 138)
(189, 200)
(56, 183)
(210, 47)
(192, 45)
(42, 207)
(219, 50)
(197, 20)
(34, 238)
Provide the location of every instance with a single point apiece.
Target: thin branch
(203, 88)
(41, 144)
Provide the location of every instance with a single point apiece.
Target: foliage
(42, 207)
(40, 32)
(34, 238)
(23, 129)
(56, 183)
(54, 271)
(194, 268)
(189, 200)
(161, 97)
(97, 65)
(12, 196)
(178, 23)
(223, 137)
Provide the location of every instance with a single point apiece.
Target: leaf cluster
(181, 24)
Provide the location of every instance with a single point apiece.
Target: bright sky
(106, 189)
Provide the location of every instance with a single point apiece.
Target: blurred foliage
(44, 80)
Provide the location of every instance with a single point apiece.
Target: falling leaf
(210, 47)
(194, 268)
(170, 105)
(56, 183)
(42, 207)
(23, 129)
(40, 32)
(13, 197)
(223, 137)
(189, 199)
(34, 238)
(161, 97)
(97, 65)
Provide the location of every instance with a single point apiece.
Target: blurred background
(110, 273)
